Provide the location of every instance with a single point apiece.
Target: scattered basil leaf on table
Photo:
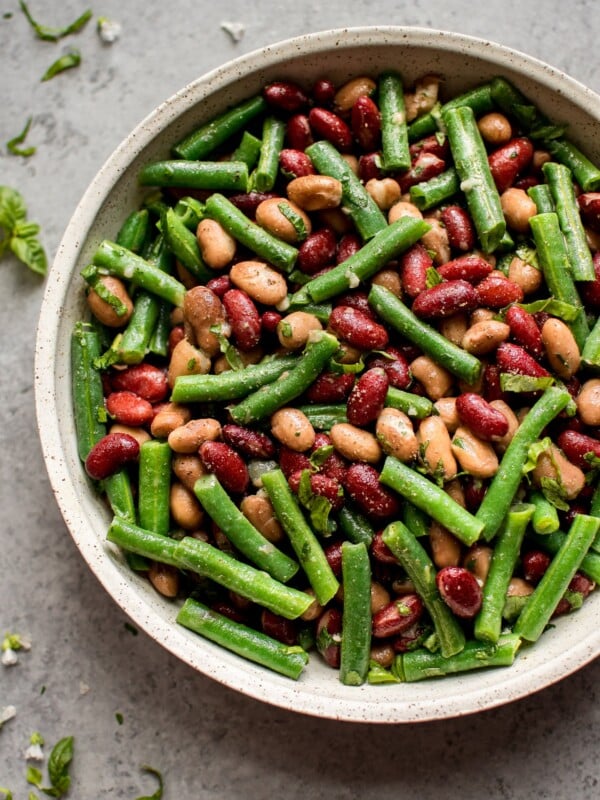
(13, 144)
(19, 235)
(49, 34)
(159, 792)
(68, 61)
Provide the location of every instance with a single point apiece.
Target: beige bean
(518, 587)
(216, 245)
(435, 448)
(593, 239)
(380, 597)
(354, 443)
(382, 654)
(185, 508)
(347, 354)
(475, 456)
(336, 219)
(403, 586)
(446, 550)
(477, 560)
(436, 240)
(513, 424)
(485, 336)
(540, 157)
(454, 328)
(352, 162)
(164, 578)
(403, 209)
(518, 208)
(188, 468)
(139, 434)
(315, 192)
(395, 433)
(384, 191)
(348, 94)
(553, 464)
(495, 128)
(435, 380)
(454, 489)
(202, 310)
(588, 402)
(270, 217)
(446, 408)
(260, 281)
(526, 276)
(292, 428)
(561, 348)
(258, 510)
(295, 328)
(481, 315)
(188, 438)
(185, 276)
(169, 417)
(423, 97)
(103, 311)
(187, 360)
(390, 279)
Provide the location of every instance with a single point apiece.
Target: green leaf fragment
(295, 219)
(524, 383)
(34, 777)
(13, 144)
(159, 792)
(20, 236)
(68, 61)
(49, 34)
(58, 767)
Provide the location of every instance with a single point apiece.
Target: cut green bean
(88, 397)
(584, 171)
(246, 642)
(476, 181)
(394, 132)
(420, 569)
(541, 604)
(554, 261)
(590, 355)
(503, 488)
(542, 197)
(248, 150)
(435, 191)
(421, 664)
(123, 263)
(413, 405)
(154, 485)
(560, 182)
(416, 519)
(304, 542)
(545, 516)
(515, 104)
(453, 358)
(201, 142)
(278, 253)
(356, 201)
(120, 495)
(429, 497)
(134, 232)
(240, 531)
(142, 542)
(373, 256)
(324, 417)
(265, 175)
(184, 245)
(356, 619)
(355, 526)
(217, 176)
(190, 210)
(488, 622)
(553, 542)
(479, 99)
(291, 384)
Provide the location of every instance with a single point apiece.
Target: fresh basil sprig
(18, 234)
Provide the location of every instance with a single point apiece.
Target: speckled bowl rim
(565, 649)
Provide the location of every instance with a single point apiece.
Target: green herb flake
(6, 793)
(320, 455)
(159, 792)
(70, 59)
(378, 674)
(130, 628)
(13, 144)
(34, 777)
(119, 717)
(523, 383)
(432, 278)
(17, 234)
(49, 34)
(295, 219)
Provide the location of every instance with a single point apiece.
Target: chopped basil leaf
(34, 777)
(159, 792)
(554, 492)
(68, 61)
(13, 144)
(557, 308)
(378, 674)
(523, 383)
(320, 455)
(432, 278)
(295, 219)
(49, 34)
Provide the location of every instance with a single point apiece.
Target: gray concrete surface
(85, 667)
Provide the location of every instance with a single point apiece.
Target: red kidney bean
(445, 299)
(509, 161)
(414, 264)
(348, 245)
(514, 359)
(525, 331)
(397, 617)
(226, 464)
(357, 328)
(430, 144)
(322, 439)
(230, 611)
(298, 132)
(333, 554)
(474, 491)
(460, 591)
(113, 451)
(582, 584)
(323, 92)
(590, 290)
(534, 564)
(176, 335)
(358, 300)
(295, 163)
(491, 383)
(460, 230)
(220, 285)
(321, 485)
(576, 446)
(335, 466)
(278, 627)
(285, 96)
(425, 167)
(369, 166)
(329, 636)
(243, 317)
(526, 182)
(466, 268)
(290, 461)
(589, 208)
(248, 202)
(329, 126)
(411, 639)
(366, 123)
(395, 365)
(128, 408)
(485, 421)
(363, 486)
(330, 387)
(367, 398)
(380, 551)
(317, 251)
(269, 321)
(145, 380)
(497, 291)
(250, 443)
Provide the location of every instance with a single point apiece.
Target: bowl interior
(463, 62)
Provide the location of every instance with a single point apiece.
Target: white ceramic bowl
(339, 54)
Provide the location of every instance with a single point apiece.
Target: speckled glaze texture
(463, 61)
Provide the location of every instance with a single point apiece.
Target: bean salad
(340, 381)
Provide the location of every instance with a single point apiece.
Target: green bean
(159, 341)
(428, 194)
(420, 664)
(504, 485)
(266, 400)
(184, 245)
(416, 519)
(240, 531)
(355, 526)
(232, 384)
(453, 358)
(488, 622)
(560, 182)
(154, 486)
(554, 262)
(413, 405)
(88, 397)
(190, 210)
(471, 162)
(356, 619)
(120, 495)
(322, 311)
(265, 175)
(429, 497)
(134, 232)
(586, 174)
(553, 542)
(142, 542)
(357, 202)
(304, 542)
(248, 150)
(219, 176)
(324, 417)
(541, 604)
(590, 355)
(365, 263)
(516, 105)
(479, 99)
(542, 197)
(421, 571)
(246, 642)
(123, 263)
(545, 517)
(394, 132)
(278, 253)
(209, 136)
